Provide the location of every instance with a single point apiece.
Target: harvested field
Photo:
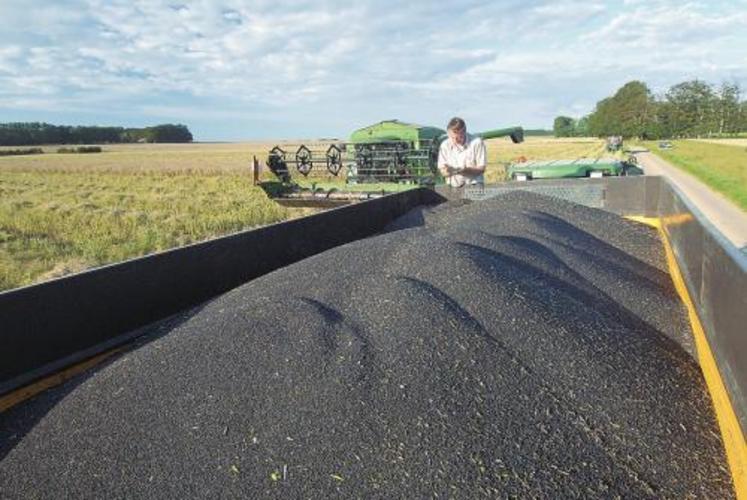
(519, 347)
(739, 142)
(62, 213)
(53, 223)
(163, 159)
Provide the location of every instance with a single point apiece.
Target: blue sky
(235, 70)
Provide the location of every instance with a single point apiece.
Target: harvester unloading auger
(384, 157)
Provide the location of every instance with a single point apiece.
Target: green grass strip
(722, 167)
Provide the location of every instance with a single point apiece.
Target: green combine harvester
(386, 157)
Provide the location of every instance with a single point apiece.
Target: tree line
(35, 133)
(689, 109)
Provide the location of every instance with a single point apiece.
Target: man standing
(462, 157)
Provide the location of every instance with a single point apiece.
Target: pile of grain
(523, 346)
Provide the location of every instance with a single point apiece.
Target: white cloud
(669, 26)
(568, 10)
(340, 63)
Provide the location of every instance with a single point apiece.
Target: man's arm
(480, 161)
(447, 170)
(472, 171)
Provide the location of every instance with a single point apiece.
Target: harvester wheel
(304, 163)
(334, 159)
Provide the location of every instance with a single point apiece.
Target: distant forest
(689, 109)
(32, 134)
(538, 132)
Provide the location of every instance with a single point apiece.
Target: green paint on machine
(395, 130)
(558, 169)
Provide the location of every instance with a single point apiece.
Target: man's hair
(456, 123)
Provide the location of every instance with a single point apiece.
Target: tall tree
(728, 112)
(630, 112)
(688, 109)
(693, 108)
(602, 119)
(633, 106)
(582, 127)
(563, 126)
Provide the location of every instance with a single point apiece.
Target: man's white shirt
(471, 154)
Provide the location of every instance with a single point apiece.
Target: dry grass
(53, 223)
(725, 142)
(62, 213)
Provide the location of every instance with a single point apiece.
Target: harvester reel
(304, 164)
(334, 159)
(277, 164)
(363, 159)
